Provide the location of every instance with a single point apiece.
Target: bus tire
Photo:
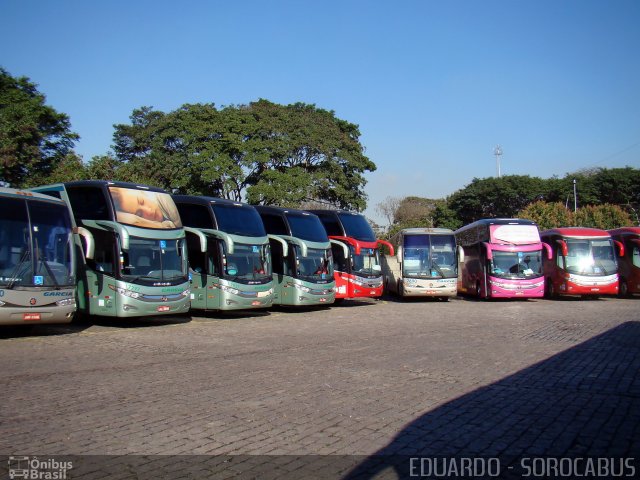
(478, 290)
(549, 291)
(400, 289)
(623, 289)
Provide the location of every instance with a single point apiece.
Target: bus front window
(316, 267)
(367, 264)
(152, 261)
(249, 264)
(516, 264)
(591, 257)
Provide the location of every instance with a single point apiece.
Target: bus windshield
(429, 256)
(590, 257)
(356, 226)
(249, 264)
(516, 264)
(35, 244)
(316, 267)
(307, 227)
(367, 264)
(239, 220)
(152, 261)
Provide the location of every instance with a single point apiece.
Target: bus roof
(630, 231)
(203, 200)
(575, 232)
(426, 231)
(335, 224)
(6, 191)
(499, 221)
(108, 183)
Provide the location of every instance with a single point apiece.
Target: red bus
(356, 257)
(583, 262)
(629, 260)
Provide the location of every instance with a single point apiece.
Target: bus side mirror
(489, 251)
(549, 250)
(563, 247)
(460, 254)
(620, 248)
(89, 244)
(399, 254)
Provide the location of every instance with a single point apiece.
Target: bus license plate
(31, 316)
(164, 308)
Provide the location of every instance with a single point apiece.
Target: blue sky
(433, 85)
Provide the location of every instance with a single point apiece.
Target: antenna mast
(498, 153)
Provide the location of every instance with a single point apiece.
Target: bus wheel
(623, 289)
(400, 289)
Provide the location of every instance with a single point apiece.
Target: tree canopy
(34, 138)
(271, 154)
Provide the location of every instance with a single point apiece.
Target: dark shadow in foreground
(583, 403)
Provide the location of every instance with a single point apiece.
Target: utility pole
(575, 197)
(498, 152)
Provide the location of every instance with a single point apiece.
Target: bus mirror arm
(460, 254)
(549, 250)
(489, 251)
(200, 235)
(388, 245)
(228, 241)
(89, 244)
(563, 247)
(399, 256)
(285, 245)
(345, 249)
(620, 248)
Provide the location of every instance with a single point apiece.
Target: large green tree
(34, 138)
(264, 152)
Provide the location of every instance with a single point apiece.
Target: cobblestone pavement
(364, 378)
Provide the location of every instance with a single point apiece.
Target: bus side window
(636, 257)
(339, 261)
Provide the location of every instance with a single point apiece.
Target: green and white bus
(229, 259)
(301, 255)
(37, 263)
(138, 266)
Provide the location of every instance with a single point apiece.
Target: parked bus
(425, 264)
(583, 262)
(138, 266)
(356, 257)
(301, 254)
(229, 260)
(37, 277)
(629, 261)
(502, 258)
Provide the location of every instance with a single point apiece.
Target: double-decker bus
(583, 262)
(356, 256)
(425, 265)
(229, 260)
(37, 277)
(629, 261)
(502, 258)
(138, 266)
(301, 255)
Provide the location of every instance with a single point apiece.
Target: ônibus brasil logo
(33, 468)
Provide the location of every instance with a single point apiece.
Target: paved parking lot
(467, 378)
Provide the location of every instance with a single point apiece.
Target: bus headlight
(302, 287)
(125, 292)
(232, 291)
(66, 302)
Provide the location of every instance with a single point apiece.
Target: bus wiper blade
(16, 270)
(437, 268)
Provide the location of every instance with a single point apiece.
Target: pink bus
(502, 259)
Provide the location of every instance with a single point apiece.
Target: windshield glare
(154, 260)
(591, 257)
(429, 256)
(316, 267)
(248, 264)
(367, 264)
(516, 264)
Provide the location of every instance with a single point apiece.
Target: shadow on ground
(581, 403)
